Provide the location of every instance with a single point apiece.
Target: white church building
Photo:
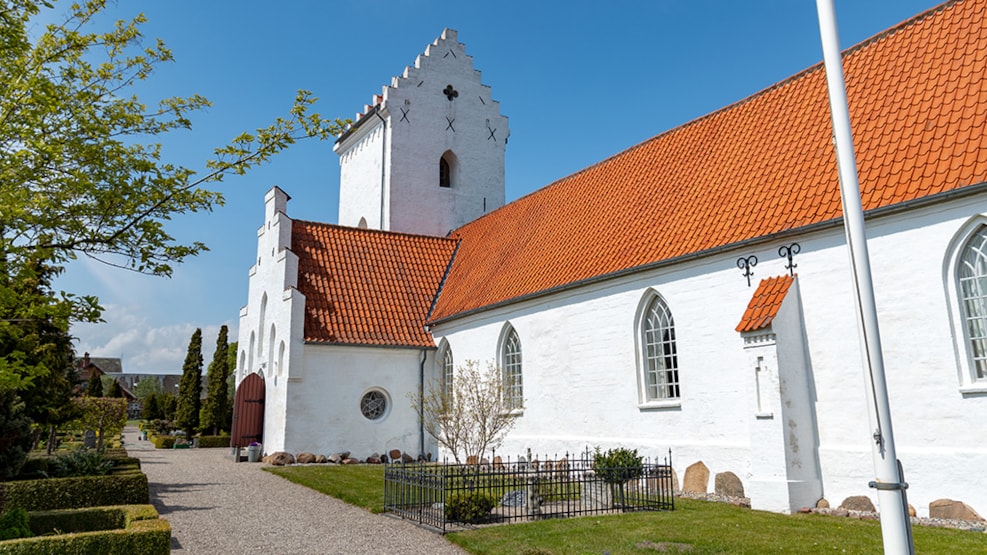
(691, 293)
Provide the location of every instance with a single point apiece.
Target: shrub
(131, 530)
(214, 441)
(617, 466)
(162, 427)
(14, 524)
(69, 493)
(70, 521)
(81, 463)
(469, 507)
(163, 442)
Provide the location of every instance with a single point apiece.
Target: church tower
(428, 155)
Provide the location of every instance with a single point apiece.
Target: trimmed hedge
(163, 442)
(123, 530)
(128, 488)
(71, 521)
(214, 441)
(38, 466)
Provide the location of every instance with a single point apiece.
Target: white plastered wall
(324, 413)
(423, 124)
(580, 361)
(273, 317)
(362, 181)
(784, 436)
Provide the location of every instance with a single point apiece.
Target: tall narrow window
(972, 274)
(661, 367)
(511, 366)
(445, 178)
(448, 164)
(448, 373)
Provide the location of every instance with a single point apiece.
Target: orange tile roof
(765, 303)
(765, 165)
(367, 287)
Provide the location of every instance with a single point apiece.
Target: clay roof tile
(756, 168)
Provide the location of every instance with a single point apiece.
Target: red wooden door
(248, 412)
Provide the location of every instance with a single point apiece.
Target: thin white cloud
(143, 347)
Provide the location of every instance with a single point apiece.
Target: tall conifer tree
(190, 387)
(95, 387)
(115, 390)
(214, 411)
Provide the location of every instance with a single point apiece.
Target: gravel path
(217, 506)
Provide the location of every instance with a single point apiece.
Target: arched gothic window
(444, 173)
(660, 358)
(260, 328)
(447, 169)
(972, 277)
(448, 372)
(510, 363)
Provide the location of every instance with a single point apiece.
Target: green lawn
(693, 527)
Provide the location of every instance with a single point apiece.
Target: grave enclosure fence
(448, 497)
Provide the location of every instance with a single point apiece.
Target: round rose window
(374, 404)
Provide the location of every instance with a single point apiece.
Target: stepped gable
(765, 302)
(762, 166)
(443, 48)
(367, 287)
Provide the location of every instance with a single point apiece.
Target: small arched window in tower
(447, 169)
(444, 177)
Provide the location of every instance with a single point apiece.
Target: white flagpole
(895, 524)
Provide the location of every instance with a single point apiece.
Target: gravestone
(696, 478)
(951, 509)
(727, 483)
(513, 499)
(89, 439)
(596, 493)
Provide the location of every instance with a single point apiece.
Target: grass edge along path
(695, 527)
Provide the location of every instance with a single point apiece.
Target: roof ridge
(696, 121)
(378, 231)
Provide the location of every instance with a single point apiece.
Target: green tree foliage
(169, 404)
(115, 391)
(213, 417)
(150, 409)
(190, 387)
(14, 524)
(36, 355)
(82, 170)
(81, 173)
(147, 387)
(95, 387)
(104, 415)
(15, 433)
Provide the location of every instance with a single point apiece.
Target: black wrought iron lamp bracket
(789, 252)
(745, 264)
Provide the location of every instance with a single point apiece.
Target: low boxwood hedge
(41, 466)
(66, 493)
(163, 442)
(120, 530)
(214, 441)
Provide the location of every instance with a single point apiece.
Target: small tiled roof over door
(765, 303)
(368, 287)
(765, 165)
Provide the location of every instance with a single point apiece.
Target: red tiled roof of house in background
(765, 165)
(765, 303)
(367, 287)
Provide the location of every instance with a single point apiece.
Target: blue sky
(580, 81)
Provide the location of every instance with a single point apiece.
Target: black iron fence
(449, 497)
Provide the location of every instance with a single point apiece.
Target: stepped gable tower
(428, 155)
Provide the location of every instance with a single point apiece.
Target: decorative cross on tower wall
(450, 92)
